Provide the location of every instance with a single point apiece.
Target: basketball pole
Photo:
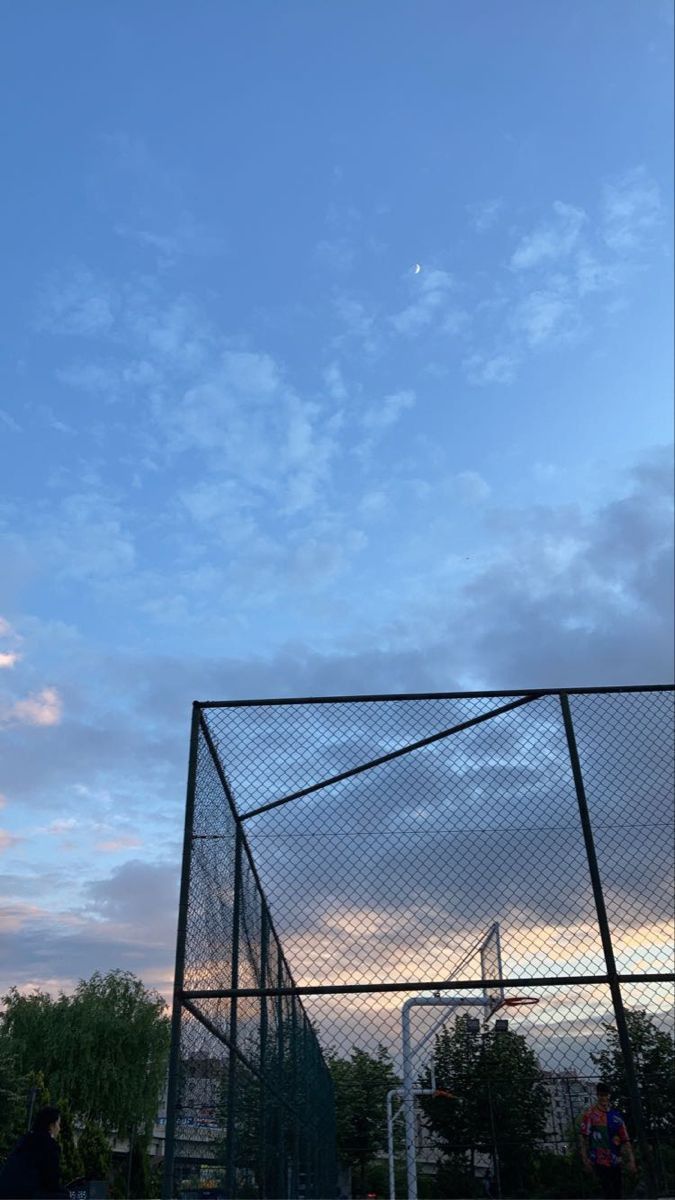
(408, 1081)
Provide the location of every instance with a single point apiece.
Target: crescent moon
(417, 268)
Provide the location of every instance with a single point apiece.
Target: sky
(248, 449)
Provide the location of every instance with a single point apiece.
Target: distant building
(569, 1096)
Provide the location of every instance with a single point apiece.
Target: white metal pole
(408, 1084)
(390, 1143)
(408, 1101)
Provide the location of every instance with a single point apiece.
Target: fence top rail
(429, 985)
(485, 695)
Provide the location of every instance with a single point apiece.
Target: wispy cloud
(187, 238)
(569, 271)
(118, 844)
(382, 416)
(334, 382)
(484, 214)
(9, 421)
(430, 290)
(9, 658)
(483, 369)
(7, 840)
(77, 303)
(40, 708)
(632, 209)
(358, 322)
(336, 254)
(551, 241)
(545, 315)
(86, 537)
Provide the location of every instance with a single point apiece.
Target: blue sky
(246, 449)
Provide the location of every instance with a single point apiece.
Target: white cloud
(7, 840)
(118, 844)
(9, 658)
(41, 708)
(78, 304)
(485, 369)
(430, 289)
(335, 382)
(382, 416)
(632, 209)
(357, 321)
(544, 315)
(251, 425)
(551, 241)
(185, 239)
(85, 537)
(373, 503)
(62, 825)
(591, 275)
(484, 214)
(175, 333)
(9, 422)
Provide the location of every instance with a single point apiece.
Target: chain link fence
(345, 857)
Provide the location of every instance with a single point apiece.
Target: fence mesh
(372, 845)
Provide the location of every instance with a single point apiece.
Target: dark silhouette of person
(32, 1170)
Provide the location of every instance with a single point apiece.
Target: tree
(71, 1161)
(95, 1152)
(361, 1084)
(654, 1059)
(13, 1096)
(498, 1103)
(105, 1047)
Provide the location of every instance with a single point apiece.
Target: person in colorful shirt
(603, 1139)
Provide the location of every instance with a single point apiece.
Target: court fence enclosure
(368, 884)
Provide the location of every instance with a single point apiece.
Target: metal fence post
(606, 937)
(230, 1164)
(179, 974)
(282, 1189)
(295, 1141)
(264, 956)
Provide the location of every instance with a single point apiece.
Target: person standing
(32, 1170)
(604, 1138)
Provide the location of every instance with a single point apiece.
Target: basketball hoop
(516, 1002)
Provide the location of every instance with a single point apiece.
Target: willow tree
(104, 1048)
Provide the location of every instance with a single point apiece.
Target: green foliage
(95, 1152)
(361, 1084)
(140, 1179)
(71, 1161)
(654, 1059)
(561, 1176)
(105, 1047)
(13, 1096)
(498, 1107)
(156, 1179)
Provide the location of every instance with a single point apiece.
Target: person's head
(47, 1120)
(603, 1093)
